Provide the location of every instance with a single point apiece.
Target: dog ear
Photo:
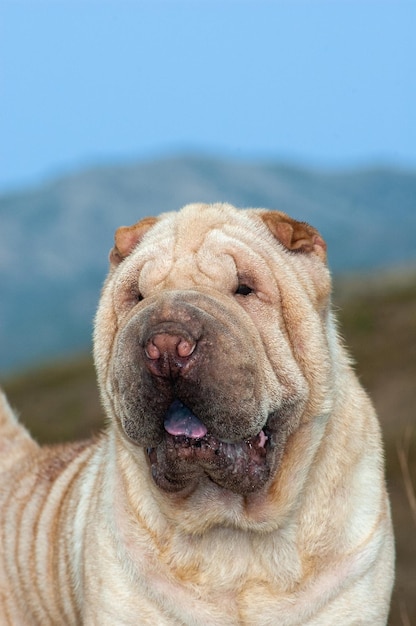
(295, 236)
(127, 238)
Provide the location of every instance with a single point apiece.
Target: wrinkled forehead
(198, 228)
(202, 244)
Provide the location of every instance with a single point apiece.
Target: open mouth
(188, 452)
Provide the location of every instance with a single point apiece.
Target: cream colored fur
(87, 537)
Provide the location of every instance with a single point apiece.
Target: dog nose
(173, 345)
(168, 354)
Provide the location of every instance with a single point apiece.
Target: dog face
(211, 345)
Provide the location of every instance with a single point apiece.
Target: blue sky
(322, 83)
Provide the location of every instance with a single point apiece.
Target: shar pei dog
(240, 478)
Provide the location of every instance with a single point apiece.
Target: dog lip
(188, 452)
(179, 463)
(261, 440)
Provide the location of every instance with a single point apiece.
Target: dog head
(211, 345)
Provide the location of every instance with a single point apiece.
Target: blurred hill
(56, 238)
(378, 320)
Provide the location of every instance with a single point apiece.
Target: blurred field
(378, 321)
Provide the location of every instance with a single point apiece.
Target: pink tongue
(181, 421)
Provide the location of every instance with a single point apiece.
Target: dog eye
(136, 296)
(243, 290)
